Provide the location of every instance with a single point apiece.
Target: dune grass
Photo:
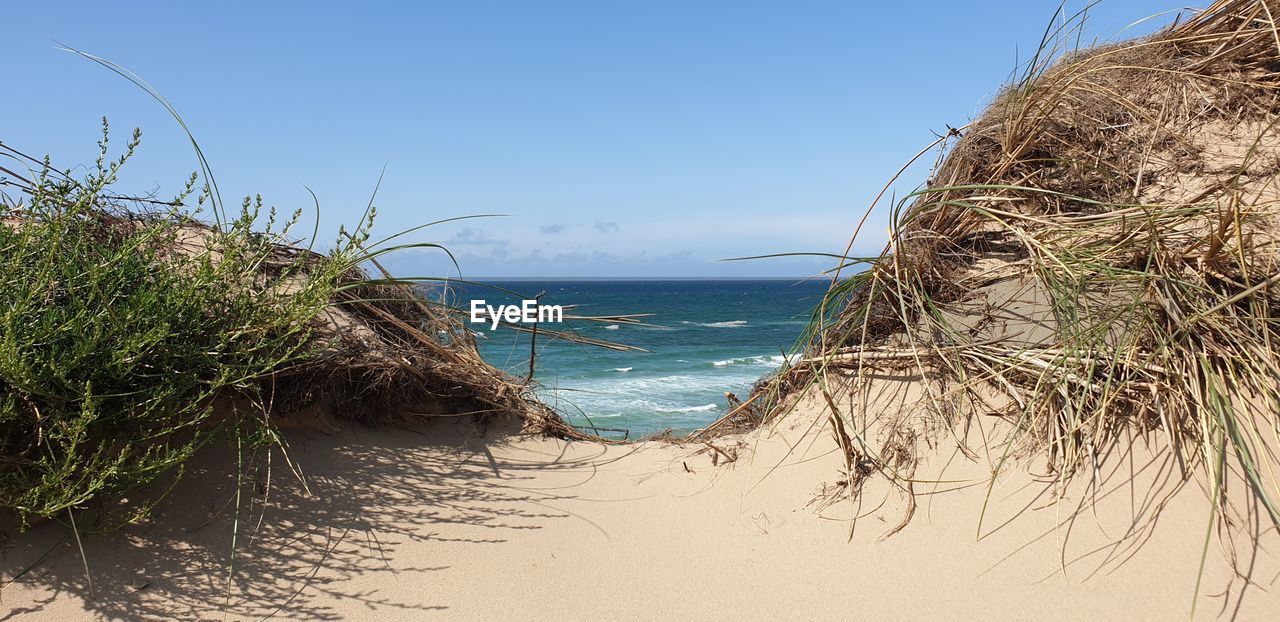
(1133, 187)
(132, 333)
(120, 329)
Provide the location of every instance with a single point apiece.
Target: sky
(617, 139)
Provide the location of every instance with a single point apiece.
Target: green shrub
(122, 331)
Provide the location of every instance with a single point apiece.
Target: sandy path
(444, 524)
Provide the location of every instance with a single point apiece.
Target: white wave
(728, 324)
(611, 327)
(742, 360)
(688, 409)
(623, 369)
(642, 388)
(684, 399)
(771, 361)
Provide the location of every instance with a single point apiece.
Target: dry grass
(1129, 192)
(132, 333)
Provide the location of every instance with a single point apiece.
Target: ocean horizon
(704, 337)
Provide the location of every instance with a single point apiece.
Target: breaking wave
(728, 324)
(769, 361)
(687, 409)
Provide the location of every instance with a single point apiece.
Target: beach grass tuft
(132, 333)
(1093, 260)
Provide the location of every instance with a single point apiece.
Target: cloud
(600, 226)
(481, 241)
(474, 237)
(497, 262)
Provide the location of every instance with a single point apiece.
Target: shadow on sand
(368, 493)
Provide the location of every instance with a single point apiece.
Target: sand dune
(447, 522)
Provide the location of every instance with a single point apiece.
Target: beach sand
(452, 522)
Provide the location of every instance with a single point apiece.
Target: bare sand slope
(446, 522)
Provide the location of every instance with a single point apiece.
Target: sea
(701, 339)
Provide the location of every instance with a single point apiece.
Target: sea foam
(687, 409)
(771, 361)
(727, 324)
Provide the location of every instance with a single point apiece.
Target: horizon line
(646, 278)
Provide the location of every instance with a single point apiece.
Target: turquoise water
(712, 336)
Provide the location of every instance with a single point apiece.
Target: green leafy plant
(120, 331)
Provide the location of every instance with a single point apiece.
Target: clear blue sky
(624, 139)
